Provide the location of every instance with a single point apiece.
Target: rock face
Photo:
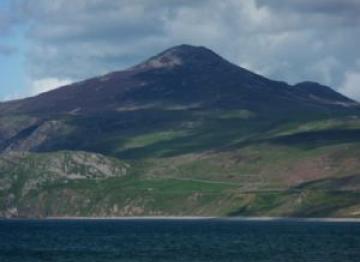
(66, 164)
(183, 133)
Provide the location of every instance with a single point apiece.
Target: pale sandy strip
(357, 220)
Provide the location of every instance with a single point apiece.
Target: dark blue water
(178, 240)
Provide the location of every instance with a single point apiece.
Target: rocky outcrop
(23, 174)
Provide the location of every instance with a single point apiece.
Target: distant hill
(183, 133)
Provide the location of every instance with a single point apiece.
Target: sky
(46, 44)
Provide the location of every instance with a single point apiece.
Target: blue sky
(12, 68)
(45, 44)
(12, 61)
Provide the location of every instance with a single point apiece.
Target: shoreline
(260, 219)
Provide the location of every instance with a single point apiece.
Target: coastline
(197, 218)
(264, 219)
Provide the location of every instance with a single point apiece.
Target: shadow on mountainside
(313, 139)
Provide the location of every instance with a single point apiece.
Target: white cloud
(325, 69)
(47, 84)
(351, 85)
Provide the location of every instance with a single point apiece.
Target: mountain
(183, 133)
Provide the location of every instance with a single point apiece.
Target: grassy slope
(218, 163)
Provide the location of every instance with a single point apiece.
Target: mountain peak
(182, 55)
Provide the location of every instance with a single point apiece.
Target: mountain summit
(183, 55)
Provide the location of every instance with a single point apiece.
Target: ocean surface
(178, 240)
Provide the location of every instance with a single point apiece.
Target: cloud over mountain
(291, 40)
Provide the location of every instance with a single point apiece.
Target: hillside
(183, 133)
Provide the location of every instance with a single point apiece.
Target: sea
(178, 240)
